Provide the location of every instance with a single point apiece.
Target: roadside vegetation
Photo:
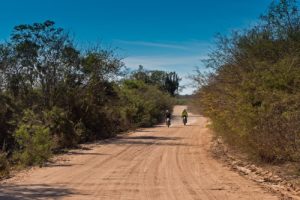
(184, 100)
(252, 92)
(54, 95)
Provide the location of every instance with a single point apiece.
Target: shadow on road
(151, 140)
(193, 125)
(28, 192)
(86, 153)
(144, 131)
(59, 165)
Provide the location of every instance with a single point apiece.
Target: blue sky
(158, 34)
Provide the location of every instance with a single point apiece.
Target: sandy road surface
(156, 163)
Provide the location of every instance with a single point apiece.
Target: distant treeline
(252, 93)
(54, 95)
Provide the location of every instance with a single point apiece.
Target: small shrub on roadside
(35, 144)
(62, 128)
(4, 165)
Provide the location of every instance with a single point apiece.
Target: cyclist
(168, 117)
(184, 116)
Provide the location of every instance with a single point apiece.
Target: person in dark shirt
(168, 118)
(168, 114)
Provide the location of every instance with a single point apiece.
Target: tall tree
(172, 83)
(166, 81)
(40, 59)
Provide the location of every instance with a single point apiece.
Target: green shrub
(142, 105)
(62, 128)
(8, 121)
(4, 165)
(35, 144)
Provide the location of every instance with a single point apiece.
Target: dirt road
(158, 163)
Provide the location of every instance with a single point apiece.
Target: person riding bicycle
(168, 118)
(184, 115)
(168, 115)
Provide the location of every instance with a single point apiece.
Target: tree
(172, 83)
(42, 56)
(282, 19)
(166, 81)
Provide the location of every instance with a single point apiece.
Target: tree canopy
(166, 81)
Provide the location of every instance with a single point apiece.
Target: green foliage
(172, 83)
(4, 165)
(62, 128)
(8, 121)
(165, 81)
(34, 141)
(142, 107)
(183, 99)
(252, 95)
